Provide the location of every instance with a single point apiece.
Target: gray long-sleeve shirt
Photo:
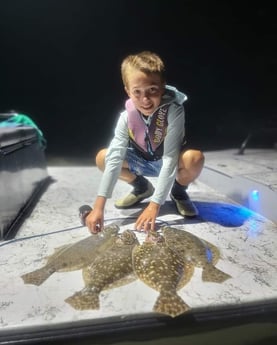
(173, 140)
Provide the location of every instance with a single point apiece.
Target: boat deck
(235, 196)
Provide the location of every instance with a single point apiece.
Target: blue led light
(209, 255)
(255, 195)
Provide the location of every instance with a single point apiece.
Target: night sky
(60, 64)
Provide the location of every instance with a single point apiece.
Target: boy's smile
(145, 90)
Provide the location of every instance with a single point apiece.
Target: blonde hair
(146, 62)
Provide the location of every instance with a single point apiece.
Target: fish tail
(170, 304)
(212, 274)
(36, 277)
(84, 299)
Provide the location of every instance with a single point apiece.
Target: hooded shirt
(171, 147)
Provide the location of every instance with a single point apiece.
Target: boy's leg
(125, 175)
(189, 168)
(132, 172)
(142, 188)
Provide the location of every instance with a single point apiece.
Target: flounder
(112, 268)
(73, 256)
(159, 267)
(197, 251)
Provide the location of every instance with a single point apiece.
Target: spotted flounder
(197, 251)
(159, 267)
(112, 268)
(73, 256)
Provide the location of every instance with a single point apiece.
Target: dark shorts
(140, 166)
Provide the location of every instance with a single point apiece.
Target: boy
(147, 142)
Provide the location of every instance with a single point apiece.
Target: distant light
(255, 195)
(254, 200)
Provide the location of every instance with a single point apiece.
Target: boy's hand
(95, 221)
(146, 220)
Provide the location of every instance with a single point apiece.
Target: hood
(173, 95)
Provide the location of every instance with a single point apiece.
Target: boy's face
(145, 90)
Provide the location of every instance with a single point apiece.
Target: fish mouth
(126, 237)
(154, 237)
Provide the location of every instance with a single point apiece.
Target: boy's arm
(172, 145)
(113, 162)
(114, 157)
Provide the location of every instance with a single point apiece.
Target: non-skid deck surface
(250, 179)
(247, 242)
(259, 165)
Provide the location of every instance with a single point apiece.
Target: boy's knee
(193, 156)
(100, 159)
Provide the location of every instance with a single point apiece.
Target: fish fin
(212, 274)
(120, 282)
(84, 300)
(38, 276)
(170, 304)
(186, 277)
(57, 251)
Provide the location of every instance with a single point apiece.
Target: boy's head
(146, 62)
(144, 80)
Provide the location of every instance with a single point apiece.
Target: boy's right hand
(84, 210)
(95, 221)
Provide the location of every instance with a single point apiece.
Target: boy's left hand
(146, 220)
